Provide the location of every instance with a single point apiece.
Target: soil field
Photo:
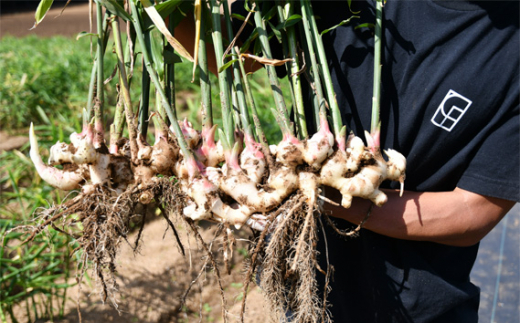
(153, 281)
(73, 20)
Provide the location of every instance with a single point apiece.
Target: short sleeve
(494, 170)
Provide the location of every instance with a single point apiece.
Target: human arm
(456, 218)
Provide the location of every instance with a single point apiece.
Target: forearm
(458, 217)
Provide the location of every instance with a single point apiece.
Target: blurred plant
(34, 276)
(50, 74)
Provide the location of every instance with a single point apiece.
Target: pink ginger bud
(208, 137)
(191, 135)
(160, 134)
(319, 147)
(341, 139)
(373, 140)
(232, 159)
(212, 152)
(194, 168)
(76, 137)
(253, 148)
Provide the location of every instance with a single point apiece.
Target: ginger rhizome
(226, 189)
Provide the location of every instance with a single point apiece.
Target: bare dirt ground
(10, 141)
(73, 20)
(153, 281)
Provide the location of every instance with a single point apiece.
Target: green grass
(34, 275)
(50, 73)
(48, 78)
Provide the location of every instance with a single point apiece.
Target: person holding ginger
(450, 104)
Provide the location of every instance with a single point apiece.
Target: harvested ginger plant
(239, 180)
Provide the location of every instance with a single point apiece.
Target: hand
(462, 219)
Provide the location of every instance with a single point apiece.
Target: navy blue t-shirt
(450, 104)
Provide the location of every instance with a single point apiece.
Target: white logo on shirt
(450, 111)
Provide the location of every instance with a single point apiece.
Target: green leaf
(247, 43)
(276, 32)
(17, 272)
(227, 65)
(292, 20)
(40, 272)
(170, 57)
(346, 21)
(350, 7)
(238, 16)
(167, 7)
(41, 11)
(63, 285)
(247, 6)
(365, 25)
(156, 51)
(116, 7)
(257, 48)
(84, 34)
(270, 14)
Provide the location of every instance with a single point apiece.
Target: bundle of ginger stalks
(236, 181)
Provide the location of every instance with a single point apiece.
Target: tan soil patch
(74, 20)
(10, 142)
